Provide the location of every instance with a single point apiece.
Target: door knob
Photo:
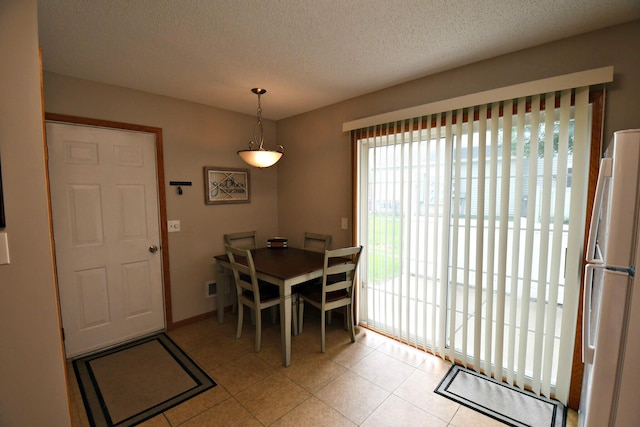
(153, 249)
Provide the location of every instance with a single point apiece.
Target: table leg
(222, 279)
(285, 323)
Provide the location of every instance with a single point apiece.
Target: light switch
(345, 223)
(173, 225)
(4, 249)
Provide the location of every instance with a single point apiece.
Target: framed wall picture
(222, 185)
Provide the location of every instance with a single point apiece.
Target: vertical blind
(472, 222)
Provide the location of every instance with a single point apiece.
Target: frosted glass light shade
(260, 158)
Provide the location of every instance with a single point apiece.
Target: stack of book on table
(277, 242)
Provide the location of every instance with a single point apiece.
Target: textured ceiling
(306, 53)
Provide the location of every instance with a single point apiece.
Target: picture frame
(225, 185)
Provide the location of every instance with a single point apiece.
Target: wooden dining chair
(253, 294)
(243, 239)
(316, 242)
(336, 290)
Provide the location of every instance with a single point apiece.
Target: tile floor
(375, 381)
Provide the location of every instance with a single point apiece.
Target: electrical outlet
(173, 225)
(345, 223)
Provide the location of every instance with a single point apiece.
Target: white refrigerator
(611, 316)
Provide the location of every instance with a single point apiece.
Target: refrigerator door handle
(587, 348)
(604, 173)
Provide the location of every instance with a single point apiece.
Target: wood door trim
(162, 199)
(597, 98)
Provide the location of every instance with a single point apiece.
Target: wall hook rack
(180, 184)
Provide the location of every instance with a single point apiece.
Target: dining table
(283, 267)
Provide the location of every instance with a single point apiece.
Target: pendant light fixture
(256, 155)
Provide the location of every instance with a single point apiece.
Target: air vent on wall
(210, 289)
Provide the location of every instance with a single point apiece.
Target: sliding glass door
(472, 222)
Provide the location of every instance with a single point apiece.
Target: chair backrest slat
(316, 242)
(243, 239)
(351, 258)
(246, 268)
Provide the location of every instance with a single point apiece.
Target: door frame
(162, 199)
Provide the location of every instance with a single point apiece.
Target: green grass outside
(387, 236)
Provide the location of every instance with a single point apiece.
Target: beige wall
(316, 175)
(32, 370)
(194, 136)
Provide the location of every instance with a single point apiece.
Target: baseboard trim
(195, 319)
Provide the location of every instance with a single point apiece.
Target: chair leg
(234, 302)
(240, 313)
(258, 332)
(346, 318)
(232, 292)
(350, 323)
(322, 330)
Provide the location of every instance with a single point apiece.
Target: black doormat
(501, 401)
(128, 384)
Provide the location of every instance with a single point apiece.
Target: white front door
(107, 234)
